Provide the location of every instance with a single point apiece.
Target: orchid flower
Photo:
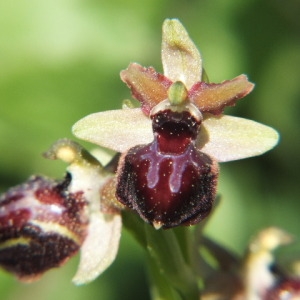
(45, 222)
(158, 134)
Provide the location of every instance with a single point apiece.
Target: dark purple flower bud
(41, 226)
(169, 182)
(288, 289)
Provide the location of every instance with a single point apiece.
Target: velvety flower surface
(188, 136)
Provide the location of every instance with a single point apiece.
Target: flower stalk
(171, 272)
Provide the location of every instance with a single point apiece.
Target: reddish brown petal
(147, 86)
(212, 97)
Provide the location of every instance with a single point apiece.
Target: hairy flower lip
(169, 181)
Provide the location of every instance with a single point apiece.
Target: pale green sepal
(180, 57)
(100, 247)
(229, 138)
(118, 130)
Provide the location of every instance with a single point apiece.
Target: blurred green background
(60, 60)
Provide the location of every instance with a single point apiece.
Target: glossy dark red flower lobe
(169, 182)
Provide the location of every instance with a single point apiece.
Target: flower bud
(286, 289)
(41, 226)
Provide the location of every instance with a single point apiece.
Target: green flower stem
(134, 224)
(169, 259)
(183, 237)
(164, 248)
(160, 286)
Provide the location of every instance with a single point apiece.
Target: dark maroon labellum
(169, 182)
(41, 226)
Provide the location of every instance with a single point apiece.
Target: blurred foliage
(60, 60)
